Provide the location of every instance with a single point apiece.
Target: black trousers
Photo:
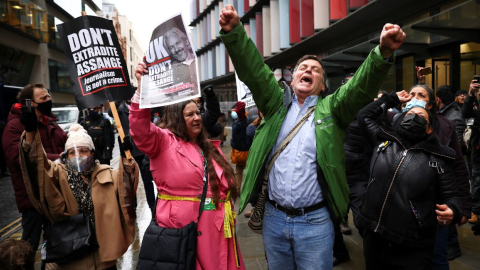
(382, 254)
(340, 251)
(147, 181)
(32, 225)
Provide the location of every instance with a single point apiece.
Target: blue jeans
(475, 190)
(300, 242)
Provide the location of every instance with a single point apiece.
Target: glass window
(388, 84)
(54, 37)
(408, 76)
(15, 66)
(66, 116)
(59, 77)
(25, 16)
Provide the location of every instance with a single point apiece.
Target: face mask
(94, 113)
(415, 103)
(81, 164)
(45, 108)
(234, 115)
(414, 124)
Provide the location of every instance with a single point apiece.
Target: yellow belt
(228, 220)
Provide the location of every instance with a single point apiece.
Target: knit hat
(78, 136)
(461, 92)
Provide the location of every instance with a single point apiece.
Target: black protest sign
(95, 61)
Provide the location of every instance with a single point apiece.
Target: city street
(251, 244)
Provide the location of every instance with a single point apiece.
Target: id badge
(209, 205)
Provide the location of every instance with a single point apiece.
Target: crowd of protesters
(396, 160)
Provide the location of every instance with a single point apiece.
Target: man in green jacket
(310, 172)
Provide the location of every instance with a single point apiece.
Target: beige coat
(112, 195)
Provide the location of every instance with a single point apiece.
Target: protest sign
(172, 66)
(95, 61)
(243, 93)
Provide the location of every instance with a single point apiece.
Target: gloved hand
(208, 90)
(240, 110)
(127, 143)
(476, 228)
(29, 119)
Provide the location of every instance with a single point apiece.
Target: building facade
(30, 50)
(133, 50)
(441, 34)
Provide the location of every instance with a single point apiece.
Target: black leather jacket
(405, 182)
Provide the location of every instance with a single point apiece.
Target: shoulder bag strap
(205, 186)
(287, 140)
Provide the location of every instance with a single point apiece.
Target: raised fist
(390, 40)
(228, 18)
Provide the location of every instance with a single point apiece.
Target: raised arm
(367, 116)
(365, 84)
(249, 64)
(212, 113)
(467, 109)
(149, 139)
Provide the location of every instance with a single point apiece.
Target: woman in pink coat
(176, 161)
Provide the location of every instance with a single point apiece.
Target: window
(25, 16)
(59, 77)
(16, 66)
(53, 36)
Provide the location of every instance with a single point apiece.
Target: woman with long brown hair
(178, 148)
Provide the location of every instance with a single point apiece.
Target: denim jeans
(475, 190)
(300, 242)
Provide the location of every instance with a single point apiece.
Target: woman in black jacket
(410, 189)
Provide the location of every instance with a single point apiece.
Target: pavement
(251, 244)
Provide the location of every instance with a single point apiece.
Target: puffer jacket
(358, 153)
(53, 140)
(453, 113)
(405, 182)
(239, 135)
(469, 112)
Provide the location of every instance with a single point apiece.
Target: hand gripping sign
(96, 64)
(172, 66)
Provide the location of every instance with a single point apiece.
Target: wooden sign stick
(113, 107)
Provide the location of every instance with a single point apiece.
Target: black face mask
(412, 128)
(45, 108)
(414, 123)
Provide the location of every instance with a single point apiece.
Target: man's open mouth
(306, 79)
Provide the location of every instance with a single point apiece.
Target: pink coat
(177, 170)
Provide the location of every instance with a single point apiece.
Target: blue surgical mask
(415, 103)
(234, 115)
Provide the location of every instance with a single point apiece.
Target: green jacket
(333, 114)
